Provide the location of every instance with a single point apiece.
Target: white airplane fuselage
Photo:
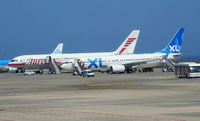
(138, 60)
(93, 61)
(38, 61)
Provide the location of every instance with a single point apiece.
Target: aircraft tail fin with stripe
(128, 46)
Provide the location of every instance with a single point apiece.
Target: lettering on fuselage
(97, 62)
(36, 61)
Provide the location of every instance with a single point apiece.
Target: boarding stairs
(79, 66)
(170, 63)
(53, 65)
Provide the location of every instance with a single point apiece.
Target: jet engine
(12, 69)
(117, 68)
(67, 67)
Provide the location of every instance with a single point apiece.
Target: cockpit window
(14, 60)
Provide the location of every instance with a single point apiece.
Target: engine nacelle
(67, 67)
(12, 69)
(117, 68)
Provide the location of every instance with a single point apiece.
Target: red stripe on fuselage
(16, 64)
(59, 62)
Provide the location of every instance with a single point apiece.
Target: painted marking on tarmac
(110, 86)
(5, 119)
(91, 113)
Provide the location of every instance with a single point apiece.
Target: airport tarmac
(155, 96)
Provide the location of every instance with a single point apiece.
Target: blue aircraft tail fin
(174, 45)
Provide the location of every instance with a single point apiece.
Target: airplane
(173, 48)
(38, 61)
(4, 63)
(114, 64)
(122, 63)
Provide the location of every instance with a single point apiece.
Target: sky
(37, 26)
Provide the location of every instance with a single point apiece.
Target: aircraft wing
(140, 62)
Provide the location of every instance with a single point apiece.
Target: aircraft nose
(10, 63)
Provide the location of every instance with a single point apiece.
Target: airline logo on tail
(174, 45)
(128, 46)
(58, 49)
(128, 42)
(173, 48)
